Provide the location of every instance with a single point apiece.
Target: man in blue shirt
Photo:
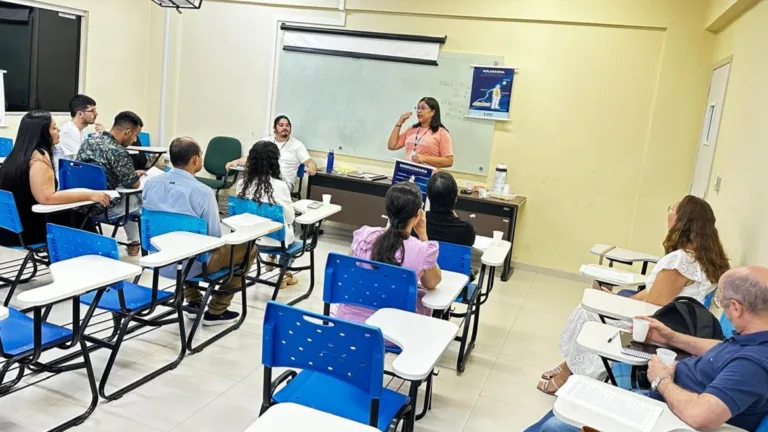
(725, 381)
(177, 191)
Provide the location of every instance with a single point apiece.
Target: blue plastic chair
(144, 139)
(10, 220)
(76, 174)
(458, 258)
(286, 253)
(300, 176)
(708, 299)
(6, 145)
(366, 283)
(23, 338)
(342, 367)
(726, 326)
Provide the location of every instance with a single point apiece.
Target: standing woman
(428, 141)
(28, 174)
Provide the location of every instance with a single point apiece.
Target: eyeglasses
(92, 110)
(671, 208)
(421, 108)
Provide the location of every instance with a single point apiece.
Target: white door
(708, 141)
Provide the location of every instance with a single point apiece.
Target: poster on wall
(491, 93)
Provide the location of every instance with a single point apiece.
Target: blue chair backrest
(708, 299)
(66, 243)
(6, 145)
(74, 174)
(300, 171)
(349, 352)
(763, 426)
(726, 325)
(9, 214)
(273, 212)
(367, 283)
(144, 139)
(455, 258)
(156, 223)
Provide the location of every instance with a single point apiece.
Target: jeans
(134, 208)
(550, 423)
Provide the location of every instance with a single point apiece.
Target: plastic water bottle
(501, 178)
(329, 162)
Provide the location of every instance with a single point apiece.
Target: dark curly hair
(262, 166)
(694, 231)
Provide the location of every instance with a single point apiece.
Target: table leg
(507, 269)
(607, 365)
(645, 267)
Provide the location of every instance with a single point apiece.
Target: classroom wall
(741, 205)
(120, 64)
(606, 107)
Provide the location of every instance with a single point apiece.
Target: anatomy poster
(491, 92)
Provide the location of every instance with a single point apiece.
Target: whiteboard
(351, 105)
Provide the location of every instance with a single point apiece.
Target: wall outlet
(718, 182)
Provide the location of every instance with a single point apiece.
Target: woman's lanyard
(418, 138)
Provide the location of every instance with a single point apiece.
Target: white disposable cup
(666, 356)
(497, 235)
(640, 329)
(482, 193)
(359, 169)
(470, 186)
(326, 198)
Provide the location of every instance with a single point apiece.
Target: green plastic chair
(220, 151)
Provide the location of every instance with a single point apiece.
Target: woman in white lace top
(693, 264)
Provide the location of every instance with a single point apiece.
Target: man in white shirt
(293, 152)
(72, 133)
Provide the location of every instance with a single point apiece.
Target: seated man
(725, 382)
(72, 134)
(442, 222)
(177, 191)
(292, 152)
(108, 151)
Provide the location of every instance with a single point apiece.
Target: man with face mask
(725, 381)
(292, 152)
(108, 151)
(177, 191)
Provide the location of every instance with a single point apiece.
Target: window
(40, 50)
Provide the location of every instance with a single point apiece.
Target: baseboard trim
(551, 272)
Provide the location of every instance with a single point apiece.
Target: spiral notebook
(643, 350)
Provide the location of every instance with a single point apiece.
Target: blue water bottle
(329, 162)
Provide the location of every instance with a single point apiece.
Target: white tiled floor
(220, 388)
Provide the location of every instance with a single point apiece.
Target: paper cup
(326, 198)
(640, 329)
(498, 235)
(470, 186)
(666, 356)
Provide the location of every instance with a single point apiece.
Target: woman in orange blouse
(428, 141)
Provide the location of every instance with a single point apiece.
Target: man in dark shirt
(725, 381)
(442, 223)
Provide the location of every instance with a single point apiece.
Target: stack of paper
(152, 172)
(606, 273)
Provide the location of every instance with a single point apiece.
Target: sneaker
(227, 317)
(191, 314)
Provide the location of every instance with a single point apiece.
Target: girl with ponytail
(395, 245)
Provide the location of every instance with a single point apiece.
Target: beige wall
(121, 67)
(606, 106)
(741, 205)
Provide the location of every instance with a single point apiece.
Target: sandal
(288, 279)
(548, 375)
(133, 249)
(544, 386)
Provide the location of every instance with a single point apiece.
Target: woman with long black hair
(262, 183)
(427, 141)
(395, 245)
(29, 175)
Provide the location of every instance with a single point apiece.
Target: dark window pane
(15, 54)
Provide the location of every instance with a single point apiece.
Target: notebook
(643, 350)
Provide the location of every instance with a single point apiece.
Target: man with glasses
(725, 381)
(83, 111)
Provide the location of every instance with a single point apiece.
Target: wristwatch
(658, 380)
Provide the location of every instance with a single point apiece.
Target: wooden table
(363, 204)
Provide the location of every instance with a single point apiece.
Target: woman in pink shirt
(395, 245)
(428, 141)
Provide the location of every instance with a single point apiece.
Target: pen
(610, 339)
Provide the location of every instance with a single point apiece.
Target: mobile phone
(315, 205)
